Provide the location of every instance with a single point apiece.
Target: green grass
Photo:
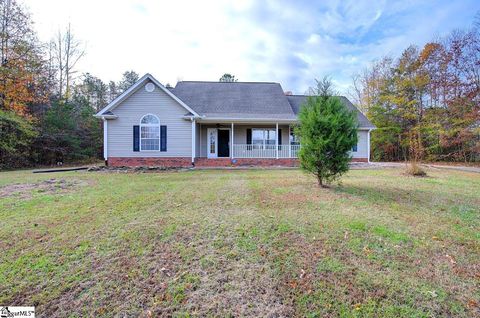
(241, 243)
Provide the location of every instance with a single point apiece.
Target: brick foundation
(238, 162)
(359, 160)
(150, 162)
(205, 162)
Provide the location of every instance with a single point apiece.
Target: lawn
(252, 243)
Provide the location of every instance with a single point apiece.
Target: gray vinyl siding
(131, 110)
(362, 145)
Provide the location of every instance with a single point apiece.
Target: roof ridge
(303, 95)
(228, 82)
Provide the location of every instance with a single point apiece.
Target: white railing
(265, 151)
(295, 149)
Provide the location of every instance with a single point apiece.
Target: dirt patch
(236, 287)
(50, 186)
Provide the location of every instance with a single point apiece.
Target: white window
(294, 140)
(263, 138)
(149, 133)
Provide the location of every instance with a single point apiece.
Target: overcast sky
(291, 42)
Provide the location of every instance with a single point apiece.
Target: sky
(290, 42)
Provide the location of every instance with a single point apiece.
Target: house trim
(193, 140)
(230, 146)
(216, 120)
(117, 101)
(148, 125)
(238, 120)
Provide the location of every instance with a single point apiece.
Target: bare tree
(355, 91)
(68, 51)
(16, 35)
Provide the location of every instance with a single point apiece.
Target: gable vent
(150, 87)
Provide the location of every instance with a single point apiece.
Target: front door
(212, 143)
(223, 143)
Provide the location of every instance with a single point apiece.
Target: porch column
(231, 144)
(289, 143)
(193, 140)
(276, 140)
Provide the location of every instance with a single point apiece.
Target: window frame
(293, 139)
(149, 125)
(264, 145)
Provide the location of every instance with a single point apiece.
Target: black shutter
(136, 138)
(249, 136)
(163, 138)
(279, 137)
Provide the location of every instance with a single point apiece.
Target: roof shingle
(258, 100)
(235, 99)
(297, 100)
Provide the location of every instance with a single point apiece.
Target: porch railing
(265, 151)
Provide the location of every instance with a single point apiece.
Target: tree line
(426, 102)
(46, 107)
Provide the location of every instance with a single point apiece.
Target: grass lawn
(241, 243)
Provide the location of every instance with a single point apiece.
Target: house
(208, 124)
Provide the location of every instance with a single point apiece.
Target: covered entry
(218, 145)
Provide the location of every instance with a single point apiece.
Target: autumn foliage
(426, 98)
(46, 109)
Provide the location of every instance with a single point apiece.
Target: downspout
(193, 140)
(368, 145)
(105, 140)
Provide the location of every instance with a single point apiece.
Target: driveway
(380, 165)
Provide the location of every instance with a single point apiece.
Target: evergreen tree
(327, 131)
(129, 78)
(228, 78)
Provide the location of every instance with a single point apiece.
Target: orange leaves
(428, 50)
(367, 250)
(451, 259)
(18, 87)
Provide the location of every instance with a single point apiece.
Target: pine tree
(327, 131)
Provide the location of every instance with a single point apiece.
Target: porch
(250, 141)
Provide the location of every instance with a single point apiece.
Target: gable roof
(296, 102)
(106, 112)
(249, 100)
(255, 101)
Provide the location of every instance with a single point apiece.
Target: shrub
(415, 170)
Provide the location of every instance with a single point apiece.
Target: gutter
(205, 119)
(106, 116)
